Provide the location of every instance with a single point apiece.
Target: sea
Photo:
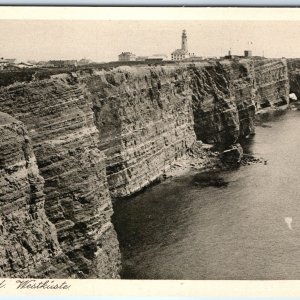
(247, 229)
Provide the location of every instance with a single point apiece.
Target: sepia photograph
(150, 149)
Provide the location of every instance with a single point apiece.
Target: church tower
(184, 45)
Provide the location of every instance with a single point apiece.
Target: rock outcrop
(28, 241)
(102, 134)
(232, 156)
(227, 94)
(145, 122)
(272, 83)
(60, 123)
(294, 76)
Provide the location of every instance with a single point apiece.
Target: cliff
(103, 134)
(272, 83)
(77, 201)
(294, 76)
(227, 95)
(145, 122)
(28, 241)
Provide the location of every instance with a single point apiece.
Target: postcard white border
(179, 288)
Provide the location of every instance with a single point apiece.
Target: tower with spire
(183, 53)
(184, 45)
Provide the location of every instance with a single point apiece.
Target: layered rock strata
(294, 76)
(272, 83)
(28, 241)
(60, 122)
(227, 95)
(145, 122)
(102, 134)
(147, 117)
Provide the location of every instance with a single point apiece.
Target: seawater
(249, 229)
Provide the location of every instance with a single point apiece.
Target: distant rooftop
(126, 52)
(179, 52)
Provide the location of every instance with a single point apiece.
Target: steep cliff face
(28, 241)
(98, 134)
(272, 83)
(294, 76)
(145, 122)
(227, 94)
(147, 117)
(60, 122)
(223, 101)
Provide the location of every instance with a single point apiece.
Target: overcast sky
(104, 40)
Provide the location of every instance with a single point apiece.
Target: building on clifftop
(127, 56)
(183, 53)
(63, 63)
(248, 53)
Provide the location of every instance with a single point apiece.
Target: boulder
(232, 156)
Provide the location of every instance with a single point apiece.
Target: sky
(104, 40)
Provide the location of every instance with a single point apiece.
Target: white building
(183, 53)
(23, 65)
(127, 56)
(5, 62)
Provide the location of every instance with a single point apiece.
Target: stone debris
(232, 156)
(249, 159)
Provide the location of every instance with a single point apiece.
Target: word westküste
(42, 284)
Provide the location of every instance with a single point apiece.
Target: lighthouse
(184, 45)
(182, 53)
